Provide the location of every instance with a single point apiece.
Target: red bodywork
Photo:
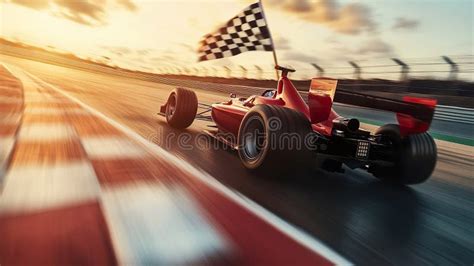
(228, 115)
(410, 125)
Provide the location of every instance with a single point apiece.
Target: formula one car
(280, 133)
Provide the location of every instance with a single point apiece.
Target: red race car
(278, 132)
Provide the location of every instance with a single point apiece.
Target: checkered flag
(245, 32)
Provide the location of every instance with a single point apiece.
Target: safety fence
(454, 114)
(453, 67)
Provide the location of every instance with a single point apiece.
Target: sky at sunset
(157, 34)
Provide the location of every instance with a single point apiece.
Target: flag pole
(271, 40)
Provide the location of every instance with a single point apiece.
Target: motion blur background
(77, 189)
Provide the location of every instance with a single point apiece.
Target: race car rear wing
(414, 114)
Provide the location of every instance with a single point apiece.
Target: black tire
(390, 133)
(279, 147)
(415, 157)
(181, 108)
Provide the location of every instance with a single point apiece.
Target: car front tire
(181, 108)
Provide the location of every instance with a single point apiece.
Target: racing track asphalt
(362, 219)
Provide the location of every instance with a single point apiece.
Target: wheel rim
(171, 106)
(254, 138)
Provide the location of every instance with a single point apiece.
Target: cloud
(405, 23)
(127, 4)
(375, 46)
(143, 51)
(117, 50)
(186, 47)
(162, 58)
(38, 4)
(282, 43)
(297, 56)
(351, 18)
(86, 12)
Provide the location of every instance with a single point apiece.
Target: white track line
(39, 187)
(293, 232)
(46, 131)
(151, 223)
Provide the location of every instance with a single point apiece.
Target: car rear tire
(272, 139)
(181, 108)
(415, 157)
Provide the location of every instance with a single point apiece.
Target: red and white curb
(11, 105)
(83, 189)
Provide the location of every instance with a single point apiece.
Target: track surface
(360, 218)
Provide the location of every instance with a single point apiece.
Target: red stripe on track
(89, 125)
(43, 118)
(8, 92)
(47, 152)
(8, 130)
(122, 171)
(69, 236)
(10, 107)
(54, 104)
